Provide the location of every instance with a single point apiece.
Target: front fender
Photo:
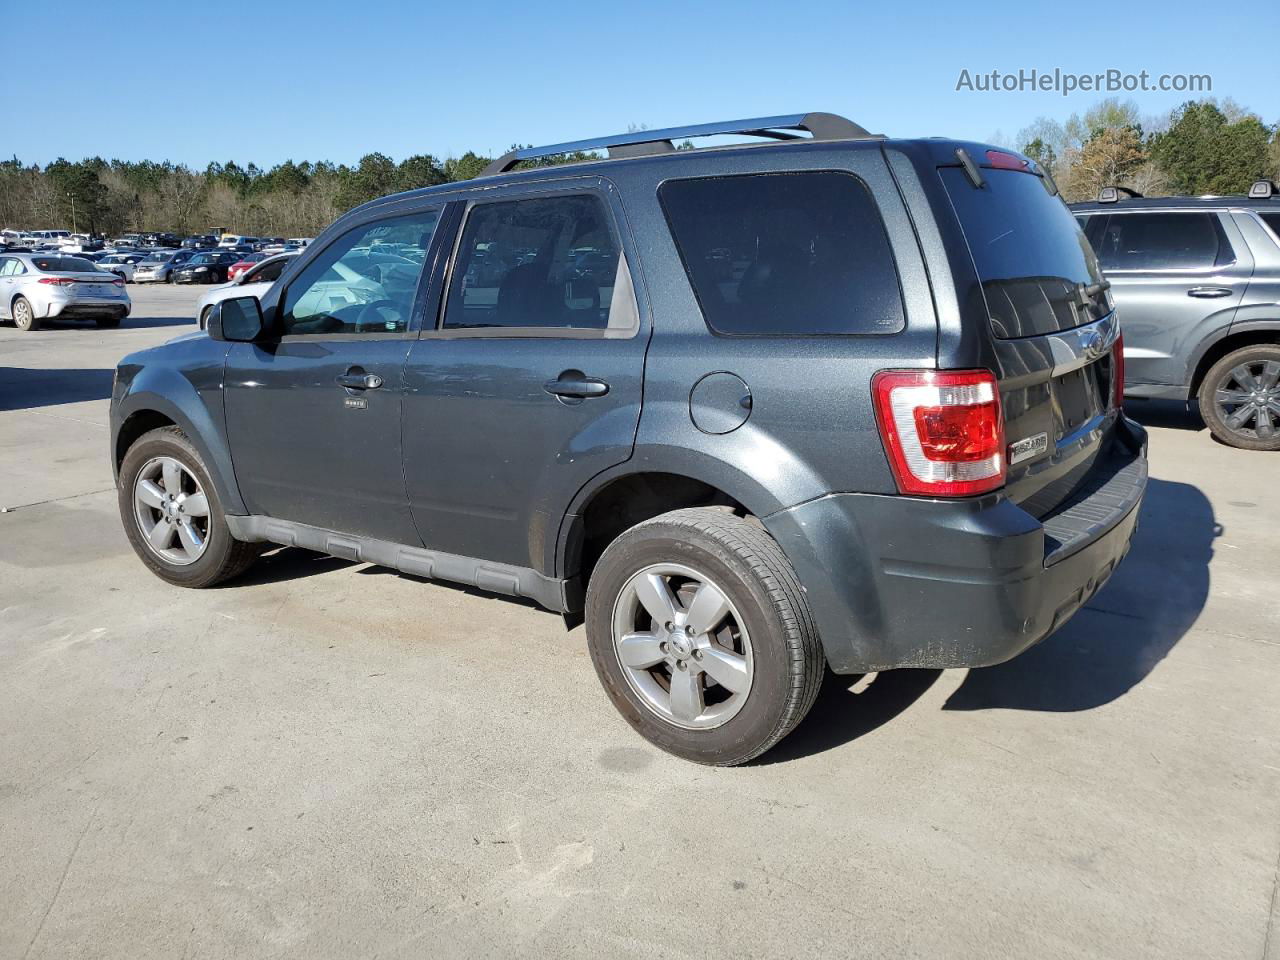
(185, 388)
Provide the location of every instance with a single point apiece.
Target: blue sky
(194, 82)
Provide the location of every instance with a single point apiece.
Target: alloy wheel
(682, 646)
(171, 510)
(1248, 399)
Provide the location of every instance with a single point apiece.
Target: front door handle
(575, 386)
(1208, 293)
(360, 381)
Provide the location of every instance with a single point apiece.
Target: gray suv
(1197, 283)
(749, 411)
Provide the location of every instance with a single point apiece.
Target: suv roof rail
(1112, 194)
(1263, 190)
(819, 126)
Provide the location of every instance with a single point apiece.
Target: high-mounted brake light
(1006, 161)
(1117, 371)
(943, 430)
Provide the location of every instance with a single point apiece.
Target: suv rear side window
(1032, 257)
(1163, 241)
(540, 262)
(785, 254)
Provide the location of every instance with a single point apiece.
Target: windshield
(1037, 269)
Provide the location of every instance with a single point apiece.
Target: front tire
(1240, 398)
(24, 317)
(172, 514)
(700, 633)
(204, 318)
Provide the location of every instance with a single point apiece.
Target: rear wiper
(1085, 294)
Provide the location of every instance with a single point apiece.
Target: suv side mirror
(238, 319)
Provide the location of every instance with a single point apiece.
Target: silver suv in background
(1196, 281)
(36, 287)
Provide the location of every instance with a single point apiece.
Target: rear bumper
(88, 308)
(906, 582)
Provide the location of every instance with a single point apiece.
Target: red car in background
(243, 264)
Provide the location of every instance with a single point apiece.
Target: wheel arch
(1249, 334)
(143, 409)
(638, 490)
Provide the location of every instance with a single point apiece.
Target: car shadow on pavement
(848, 708)
(142, 322)
(1173, 414)
(1105, 650)
(279, 564)
(1122, 634)
(23, 387)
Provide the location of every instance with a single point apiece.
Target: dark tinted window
(542, 262)
(1163, 241)
(267, 273)
(1272, 220)
(785, 254)
(364, 282)
(1031, 256)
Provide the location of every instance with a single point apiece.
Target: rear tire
(164, 546)
(24, 316)
(717, 688)
(1240, 398)
(204, 318)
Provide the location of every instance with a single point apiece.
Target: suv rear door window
(779, 254)
(1163, 241)
(1272, 220)
(1032, 257)
(540, 262)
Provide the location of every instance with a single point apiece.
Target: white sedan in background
(121, 264)
(254, 282)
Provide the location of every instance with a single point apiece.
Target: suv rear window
(785, 254)
(1162, 241)
(1031, 256)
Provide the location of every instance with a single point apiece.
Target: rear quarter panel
(811, 429)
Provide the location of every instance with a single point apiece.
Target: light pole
(73, 211)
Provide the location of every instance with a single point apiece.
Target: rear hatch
(1052, 328)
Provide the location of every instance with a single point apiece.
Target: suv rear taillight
(1117, 371)
(58, 281)
(942, 429)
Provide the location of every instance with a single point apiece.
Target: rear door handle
(360, 381)
(1208, 293)
(576, 387)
